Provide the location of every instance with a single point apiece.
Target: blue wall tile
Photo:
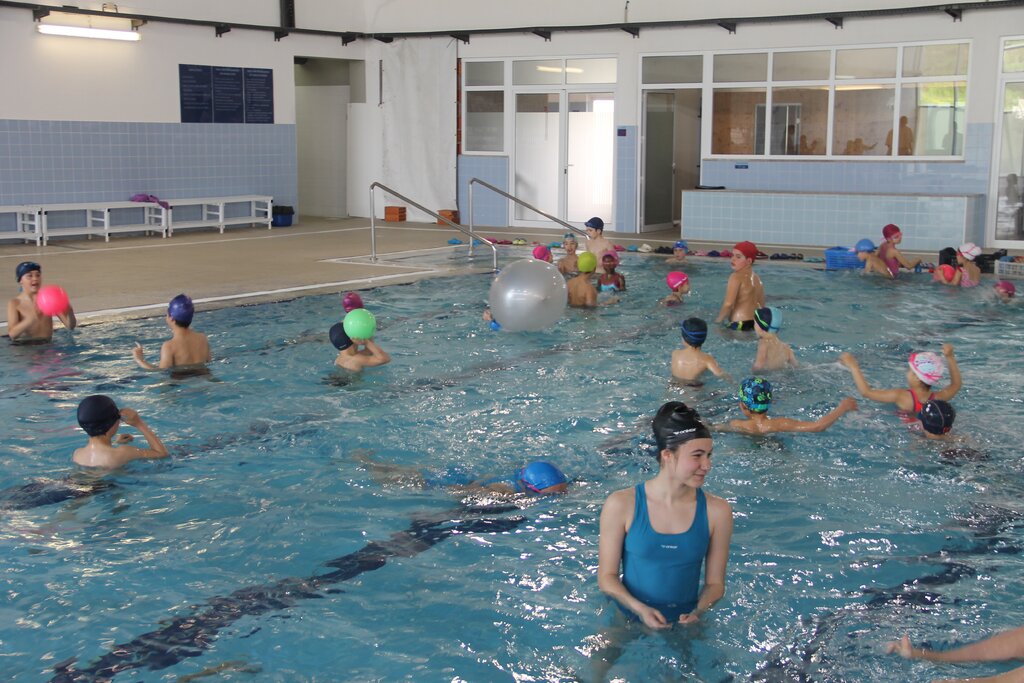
(489, 208)
(95, 161)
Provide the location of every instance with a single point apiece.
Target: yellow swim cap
(586, 262)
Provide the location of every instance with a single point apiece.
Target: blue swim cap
(181, 310)
(25, 267)
(756, 394)
(539, 475)
(338, 337)
(864, 245)
(596, 223)
(694, 330)
(681, 244)
(768, 319)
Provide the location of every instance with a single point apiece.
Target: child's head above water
(892, 233)
(694, 331)
(180, 310)
(937, 417)
(768, 319)
(926, 366)
(676, 279)
(542, 253)
(97, 414)
(864, 245)
(756, 394)
(1005, 289)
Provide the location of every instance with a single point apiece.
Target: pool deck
(134, 276)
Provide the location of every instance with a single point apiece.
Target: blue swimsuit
(663, 570)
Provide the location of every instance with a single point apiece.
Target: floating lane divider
(189, 636)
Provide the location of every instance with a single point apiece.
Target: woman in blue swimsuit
(655, 537)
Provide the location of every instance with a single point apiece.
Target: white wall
(59, 78)
(321, 131)
(260, 12)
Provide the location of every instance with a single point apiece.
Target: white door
(564, 156)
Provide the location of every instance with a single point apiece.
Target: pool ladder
(470, 233)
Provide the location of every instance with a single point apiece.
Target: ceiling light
(89, 26)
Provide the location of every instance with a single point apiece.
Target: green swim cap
(586, 262)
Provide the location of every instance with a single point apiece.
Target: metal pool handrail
(517, 200)
(373, 224)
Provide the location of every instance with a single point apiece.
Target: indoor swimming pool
(264, 550)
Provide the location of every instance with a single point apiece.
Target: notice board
(225, 94)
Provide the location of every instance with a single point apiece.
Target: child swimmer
(756, 398)
(690, 362)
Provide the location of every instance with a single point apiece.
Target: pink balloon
(352, 301)
(52, 300)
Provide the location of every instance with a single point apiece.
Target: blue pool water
(842, 540)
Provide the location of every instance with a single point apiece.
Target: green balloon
(359, 323)
(586, 262)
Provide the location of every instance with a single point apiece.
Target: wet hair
(676, 423)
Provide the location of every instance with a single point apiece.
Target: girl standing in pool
(656, 536)
(890, 254)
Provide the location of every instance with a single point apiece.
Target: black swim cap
(340, 340)
(25, 267)
(97, 414)
(677, 423)
(937, 417)
(694, 330)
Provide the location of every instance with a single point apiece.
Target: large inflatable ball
(528, 295)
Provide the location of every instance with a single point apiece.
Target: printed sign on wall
(225, 94)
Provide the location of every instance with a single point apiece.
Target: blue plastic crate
(841, 258)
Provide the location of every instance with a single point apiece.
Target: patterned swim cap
(929, 367)
(756, 394)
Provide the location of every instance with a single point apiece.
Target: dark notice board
(225, 94)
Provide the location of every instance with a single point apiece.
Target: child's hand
(124, 438)
(846, 358)
(947, 350)
(137, 352)
(901, 647)
(130, 417)
(847, 404)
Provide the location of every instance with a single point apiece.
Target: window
(673, 69)
(888, 101)
(483, 102)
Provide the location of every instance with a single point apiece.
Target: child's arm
(786, 424)
(732, 290)
(880, 395)
(955, 381)
(68, 318)
(904, 261)
(792, 357)
(156, 446)
(622, 282)
(999, 648)
(137, 353)
(762, 356)
(377, 355)
(16, 323)
(713, 366)
(733, 426)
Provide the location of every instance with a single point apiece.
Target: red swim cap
(748, 249)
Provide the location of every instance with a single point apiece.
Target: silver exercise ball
(528, 295)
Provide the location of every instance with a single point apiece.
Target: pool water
(204, 563)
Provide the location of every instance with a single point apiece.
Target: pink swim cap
(1006, 287)
(611, 254)
(929, 367)
(948, 272)
(676, 279)
(542, 253)
(889, 231)
(351, 301)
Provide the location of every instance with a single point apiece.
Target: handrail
(373, 223)
(517, 200)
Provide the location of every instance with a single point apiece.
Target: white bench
(213, 214)
(28, 223)
(97, 219)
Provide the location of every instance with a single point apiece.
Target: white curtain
(418, 116)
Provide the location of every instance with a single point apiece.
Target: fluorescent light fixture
(87, 32)
(558, 69)
(89, 26)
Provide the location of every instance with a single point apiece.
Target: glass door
(538, 149)
(564, 155)
(1009, 187)
(659, 161)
